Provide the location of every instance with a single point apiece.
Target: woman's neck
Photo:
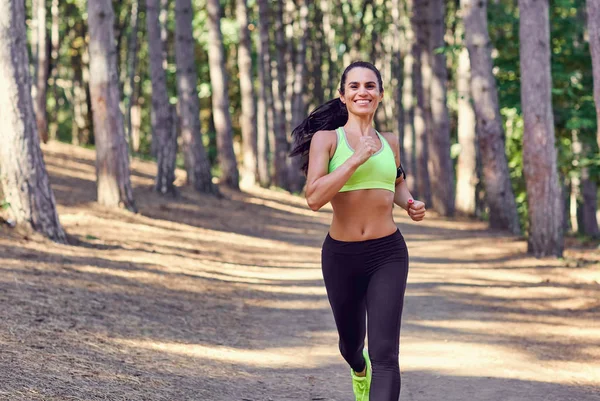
(360, 125)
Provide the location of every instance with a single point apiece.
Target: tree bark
(80, 130)
(408, 95)
(590, 190)
(41, 71)
(329, 33)
(248, 123)
(52, 128)
(593, 21)
(421, 83)
(196, 160)
(162, 125)
(589, 194)
(112, 160)
(442, 171)
(574, 187)
(317, 50)
(466, 168)
(220, 97)
(295, 176)
(280, 148)
(395, 39)
(544, 196)
(265, 97)
(499, 194)
(132, 61)
(291, 33)
(33, 41)
(24, 182)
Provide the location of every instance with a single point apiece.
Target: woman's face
(362, 94)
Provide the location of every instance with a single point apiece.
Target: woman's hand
(416, 210)
(365, 149)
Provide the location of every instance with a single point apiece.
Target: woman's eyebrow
(355, 83)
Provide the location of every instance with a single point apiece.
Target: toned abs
(362, 215)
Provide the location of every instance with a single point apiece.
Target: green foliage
(4, 204)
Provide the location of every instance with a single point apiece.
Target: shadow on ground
(199, 298)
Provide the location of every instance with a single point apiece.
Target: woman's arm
(402, 196)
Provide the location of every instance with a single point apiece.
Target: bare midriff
(362, 215)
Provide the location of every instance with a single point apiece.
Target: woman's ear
(341, 96)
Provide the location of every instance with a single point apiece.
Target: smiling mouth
(362, 101)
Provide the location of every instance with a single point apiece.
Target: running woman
(364, 256)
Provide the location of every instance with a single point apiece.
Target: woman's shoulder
(391, 138)
(325, 137)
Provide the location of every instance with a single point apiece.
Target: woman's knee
(384, 352)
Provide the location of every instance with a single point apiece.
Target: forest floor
(198, 298)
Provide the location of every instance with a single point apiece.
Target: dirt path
(205, 299)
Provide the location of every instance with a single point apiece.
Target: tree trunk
(80, 130)
(33, 42)
(196, 160)
(329, 33)
(291, 33)
(41, 71)
(544, 196)
(378, 57)
(408, 93)
(317, 50)
(112, 161)
(466, 168)
(589, 192)
(593, 20)
(442, 171)
(23, 177)
(395, 40)
(265, 97)
(575, 186)
(52, 127)
(418, 23)
(410, 161)
(490, 132)
(132, 60)
(295, 176)
(136, 124)
(590, 186)
(162, 126)
(583, 194)
(248, 123)
(220, 97)
(279, 87)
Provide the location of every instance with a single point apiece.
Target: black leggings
(368, 278)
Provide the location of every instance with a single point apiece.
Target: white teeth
(362, 101)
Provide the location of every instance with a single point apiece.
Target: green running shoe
(362, 385)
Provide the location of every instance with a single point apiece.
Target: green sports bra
(379, 172)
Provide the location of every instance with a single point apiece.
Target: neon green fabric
(379, 172)
(362, 385)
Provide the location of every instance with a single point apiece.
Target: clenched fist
(416, 210)
(365, 149)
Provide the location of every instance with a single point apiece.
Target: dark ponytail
(328, 116)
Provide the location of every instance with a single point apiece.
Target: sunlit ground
(200, 298)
